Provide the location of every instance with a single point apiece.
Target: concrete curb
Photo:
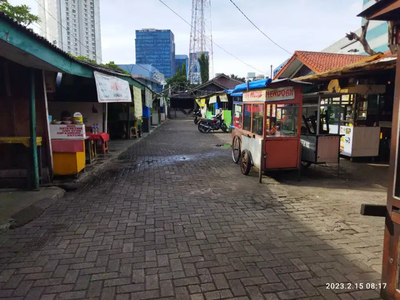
(33, 211)
(85, 177)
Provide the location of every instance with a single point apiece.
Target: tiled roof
(371, 64)
(321, 61)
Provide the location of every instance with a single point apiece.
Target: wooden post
(32, 125)
(128, 130)
(260, 171)
(49, 147)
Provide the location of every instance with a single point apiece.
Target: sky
(294, 24)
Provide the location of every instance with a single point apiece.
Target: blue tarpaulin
(259, 84)
(252, 85)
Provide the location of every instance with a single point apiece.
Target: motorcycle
(205, 126)
(197, 116)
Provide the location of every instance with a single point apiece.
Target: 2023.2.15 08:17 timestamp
(355, 286)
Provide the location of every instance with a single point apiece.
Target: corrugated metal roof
(44, 41)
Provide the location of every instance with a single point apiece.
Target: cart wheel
(305, 164)
(236, 149)
(245, 164)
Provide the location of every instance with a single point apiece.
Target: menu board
(67, 132)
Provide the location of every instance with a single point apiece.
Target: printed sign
(254, 96)
(137, 98)
(111, 89)
(148, 96)
(67, 132)
(223, 98)
(346, 141)
(286, 93)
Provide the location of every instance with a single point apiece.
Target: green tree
(204, 67)
(184, 69)
(233, 76)
(178, 83)
(20, 13)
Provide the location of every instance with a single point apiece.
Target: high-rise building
(157, 48)
(195, 74)
(180, 60)
(72, 25)
(377, 37)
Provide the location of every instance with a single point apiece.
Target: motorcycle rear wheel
(224, 128)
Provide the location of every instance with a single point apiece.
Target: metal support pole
(32, 124)
(106, 119)
(319, 114)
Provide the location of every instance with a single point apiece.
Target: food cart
(68, 146)
(359, 126)
(269, 138)
(320, 138)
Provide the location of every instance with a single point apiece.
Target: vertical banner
(137, 100)
(148, 98)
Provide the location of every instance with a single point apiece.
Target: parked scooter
(205, 126)
(197, 116)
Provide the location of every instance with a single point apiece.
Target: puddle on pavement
(161, 161)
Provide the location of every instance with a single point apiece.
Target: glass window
(282, 120)
(237, 118)
(258, 119)
(247, 117)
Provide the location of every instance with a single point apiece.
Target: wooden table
(26, 141)
(91, 150)
(103, 137)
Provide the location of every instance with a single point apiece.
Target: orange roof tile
(321, 61)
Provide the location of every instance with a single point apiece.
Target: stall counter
(68, 148)
(360, 141)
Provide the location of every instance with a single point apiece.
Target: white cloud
(294, 24)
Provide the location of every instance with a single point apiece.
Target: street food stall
(389, 10)
(269, 139)
(220, 102)
(320, 139)
(77, 136)
(359, 125)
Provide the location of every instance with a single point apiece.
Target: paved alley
(174, 218)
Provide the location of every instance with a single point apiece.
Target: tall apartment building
(157, 48)
(377, 37)
(72, 25)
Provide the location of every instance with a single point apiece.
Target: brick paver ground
(175, 219)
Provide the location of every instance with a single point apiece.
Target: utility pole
(271, 72)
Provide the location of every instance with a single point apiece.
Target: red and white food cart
(269, 139)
